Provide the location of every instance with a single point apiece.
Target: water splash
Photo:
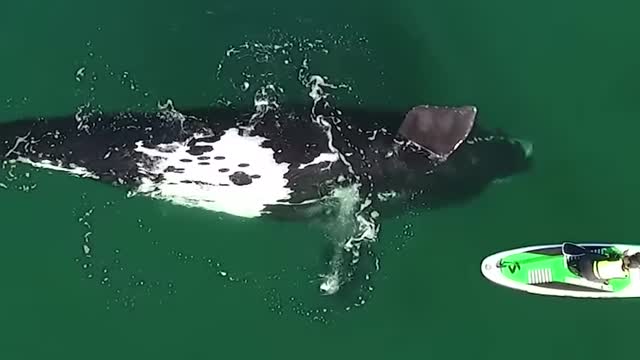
(281, 71)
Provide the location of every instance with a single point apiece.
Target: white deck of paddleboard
(494, 274)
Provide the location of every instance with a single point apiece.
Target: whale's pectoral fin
(354, 224)
(440, 130)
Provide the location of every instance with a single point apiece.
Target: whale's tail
(68, 145)
(39, 139)
(53, 144)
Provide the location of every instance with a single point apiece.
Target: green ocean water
(167, 282)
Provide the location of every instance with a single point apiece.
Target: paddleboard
(546, 270)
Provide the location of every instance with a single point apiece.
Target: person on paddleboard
(597, 267)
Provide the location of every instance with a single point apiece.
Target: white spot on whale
(212, 183)
(59, 166)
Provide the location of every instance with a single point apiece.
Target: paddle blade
(569, 249)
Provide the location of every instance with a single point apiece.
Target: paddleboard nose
(489, 267)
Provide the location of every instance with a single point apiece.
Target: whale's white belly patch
(234, 175)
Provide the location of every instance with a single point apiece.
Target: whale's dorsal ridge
(438, 129)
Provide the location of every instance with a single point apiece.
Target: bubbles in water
(276, 69)
(16, 176)
(331, 283)
(125, 288)
(80, 73)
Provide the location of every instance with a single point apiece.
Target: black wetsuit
(585, 265)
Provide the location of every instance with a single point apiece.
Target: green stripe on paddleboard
(518, 266)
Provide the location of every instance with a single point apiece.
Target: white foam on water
(350, 229)
(388, 195)
(205, 190)
(353, 225)
(324, 157)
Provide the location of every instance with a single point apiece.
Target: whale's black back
(369, 150)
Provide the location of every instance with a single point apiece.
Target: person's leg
(585, 266)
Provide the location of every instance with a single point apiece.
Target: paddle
(570, 249)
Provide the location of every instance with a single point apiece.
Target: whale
(276, 163)
(285, 162)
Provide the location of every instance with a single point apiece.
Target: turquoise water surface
(90, 273)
